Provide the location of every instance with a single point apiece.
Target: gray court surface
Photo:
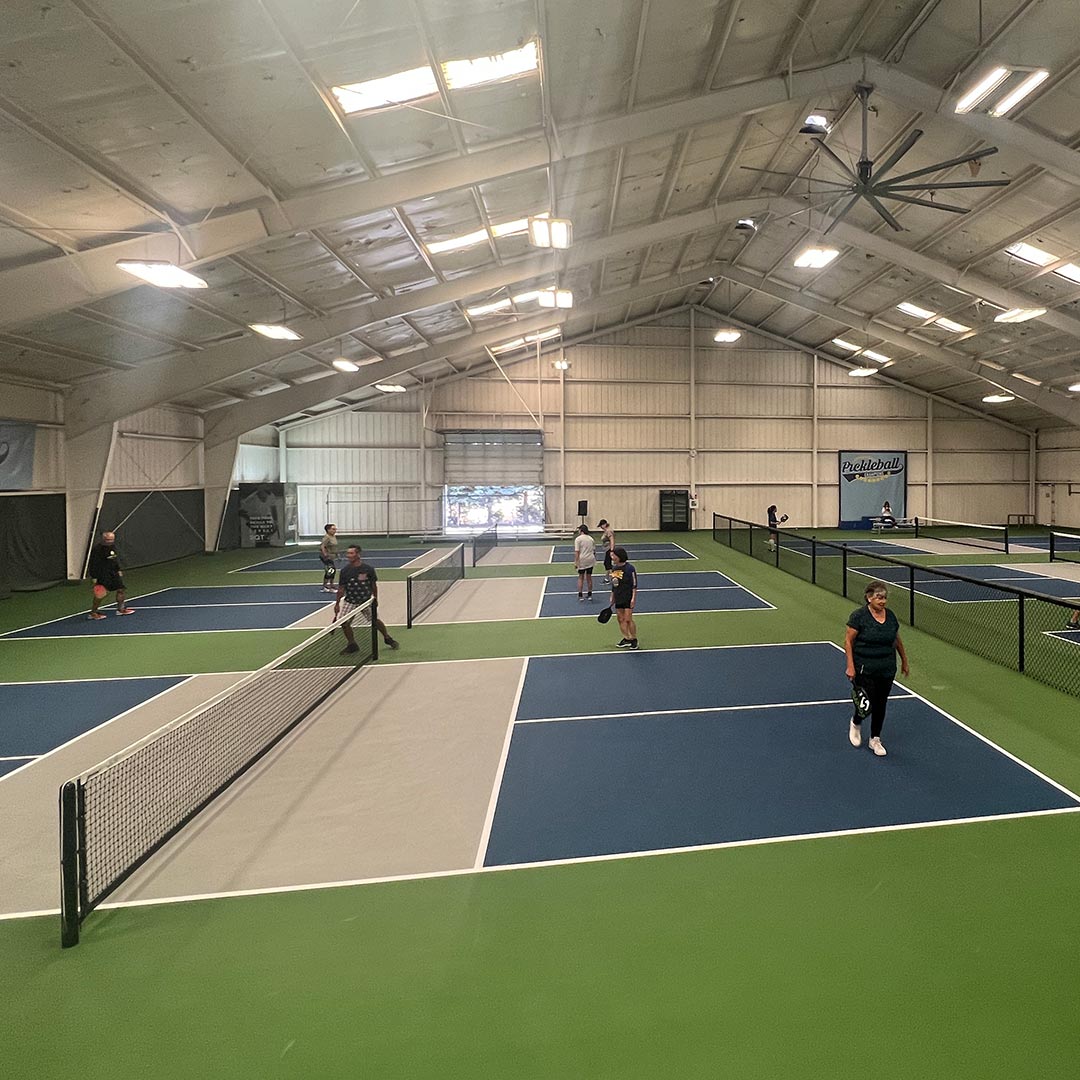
(392, 776)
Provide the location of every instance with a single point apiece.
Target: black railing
(1015, 626)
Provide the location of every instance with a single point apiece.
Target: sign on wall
(869, 479)
(17, 456)
(268, 515)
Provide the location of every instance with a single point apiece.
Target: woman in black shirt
(871, 644)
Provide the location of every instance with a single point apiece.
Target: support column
(283, 454)
(693, 450)
(1033, 470)
(815, 443)
(87, 459)
(220, 463)
(564, 516)
(929, 512)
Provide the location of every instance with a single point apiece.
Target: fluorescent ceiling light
(862, 372)
(1031, 254)
(561, 365)
(1018, 93)
(549, 232)
(274, 331)
(1075, 388)
(918, 312)
(727, 335)
(846, 344)
(458, 242)
(815, 124)
(998, 399)
(815, 258)
(952, 327)
(745, 224)
(526, 297)
(343, 363)
(390, 388)
(1070, 271)
(985, 86)
(556, 298)
(165, 275)
(508, 346)
(488, 309)
(510, 228)
(543, 335)
(993, 365)
(461, 74)
(405, 86)
(1016, 314)
(1026, 378)
(881, 358)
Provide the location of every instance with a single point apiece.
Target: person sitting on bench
(887, 518)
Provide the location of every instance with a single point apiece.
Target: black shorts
(586, 570)
(112, 582)
(622, 604)
(607, 560)
(327, 562)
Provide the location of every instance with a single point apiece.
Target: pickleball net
(484, 542)
(426, 586)
(968, 534)
(1064, 547)
(117, 814)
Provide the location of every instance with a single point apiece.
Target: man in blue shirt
(624, 585)
(357, 584)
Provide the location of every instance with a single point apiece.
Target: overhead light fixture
(1029, 253)
(390, 388)
(745, 224)
(917, 312)
(993, 365)
(1017, 315)
(952, 327)
(389, 91)
(461, 74)
(814, 258)
(550, 232)
(1075, 388)
(556, 298)
(488, 309)
(275, 331)
(343, 363)
(561, 365)
(1026, 378)
(165, 275)
(815, 124)
(983, 88)
(881, 358)
(998, 399)
(727, 335)
(862, 372)
(1018, 93)
(846, 344)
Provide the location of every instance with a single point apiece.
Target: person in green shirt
(871, 643)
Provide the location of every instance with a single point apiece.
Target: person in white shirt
(584, 560)
(887, 517)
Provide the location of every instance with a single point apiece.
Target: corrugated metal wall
(1058, 487)
(157, 449)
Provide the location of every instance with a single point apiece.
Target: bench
(879, 524)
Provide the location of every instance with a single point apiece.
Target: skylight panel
(1070, 271)
(510, 228)
(391, 90)
(1031, 254)
(881, 358)
(846, 344)
(488, 309)
(917, 312)
(461, 74)
(458, 243)
(952, 327)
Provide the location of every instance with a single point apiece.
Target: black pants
(607, 561)
(877, 689)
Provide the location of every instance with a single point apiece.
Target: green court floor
(927, 952)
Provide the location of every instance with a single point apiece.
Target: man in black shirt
(624, 582)
(107, 576)
(358, 583)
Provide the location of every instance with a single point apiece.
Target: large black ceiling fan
(866, 182)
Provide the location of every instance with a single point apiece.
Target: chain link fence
(1017, 627)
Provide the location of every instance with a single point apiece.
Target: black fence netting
(33, 542)
(154, 526)
(1019, 628)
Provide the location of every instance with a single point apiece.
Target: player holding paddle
(624, 583)
(107, 576)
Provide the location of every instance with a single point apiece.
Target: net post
(843, 560)
(408, 603)
(730, 533)
(374, 630)
(776, 561)
(1051, 545)
(911, 596)
(1007, 547)
(70, 875)
(813, 560)
(1020, 633)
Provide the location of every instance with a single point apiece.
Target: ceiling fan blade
(843, 214)
(794, 176)
(839, 161)
(912, 138)
(975, 155)
(942, 187)
(888, 218)
(926, 202)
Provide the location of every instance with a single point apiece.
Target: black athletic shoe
(626, 643)
(391, 643)
(350, 649)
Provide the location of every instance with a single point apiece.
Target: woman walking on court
(624, 582)
(584, 560)
(871, 644)
(774, 523)
(608, 540)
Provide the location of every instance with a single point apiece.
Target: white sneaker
(854, 734)
(875, 745)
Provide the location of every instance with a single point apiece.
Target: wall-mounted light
(550, 232)
(561, 365)
(727, 335)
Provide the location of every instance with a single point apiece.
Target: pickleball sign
(17, 456)
(868, 479)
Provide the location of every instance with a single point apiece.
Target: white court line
(708, 709)
(662, 588)
(689, 554)
(21, 757)
(148, 633)
(76, 614)
(105, 723)
(584, 860)
(496, 787)
(594, 611)
(121, 678)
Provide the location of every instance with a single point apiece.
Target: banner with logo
(268, 515)
(869, 479)
(17, 456)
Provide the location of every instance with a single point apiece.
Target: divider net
(116, 815)
(994, 537)
(1064, 547)
(425, 586)
(484, 542)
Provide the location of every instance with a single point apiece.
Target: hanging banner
(868, 480)
(268, 516)
(17, 456)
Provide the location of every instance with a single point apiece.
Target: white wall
(157, 449)
(1058, 486)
